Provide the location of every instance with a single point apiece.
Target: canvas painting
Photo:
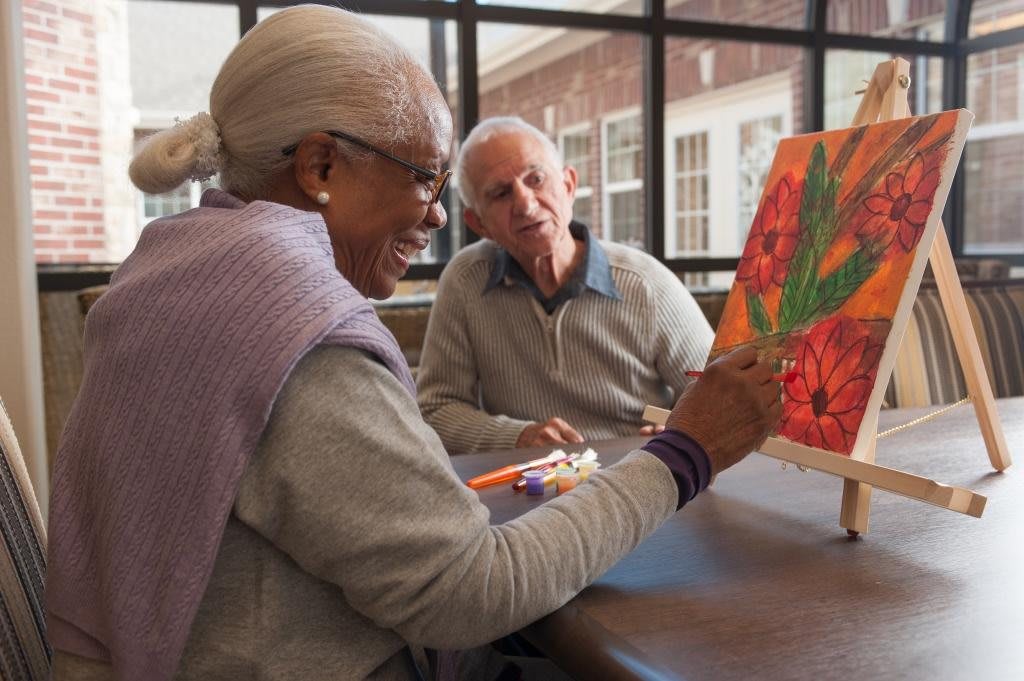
(832, 263)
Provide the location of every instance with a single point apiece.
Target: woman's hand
(731, 409)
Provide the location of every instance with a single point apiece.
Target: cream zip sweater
(494, 362)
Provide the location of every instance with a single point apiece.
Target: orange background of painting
(878, 297)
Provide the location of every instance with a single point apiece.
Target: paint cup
(585, 468)
(566, 479)
(534, 482)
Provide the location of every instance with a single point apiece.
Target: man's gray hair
(301, 70)
(486, 130)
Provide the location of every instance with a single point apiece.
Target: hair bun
(190, 150)
(203, 135)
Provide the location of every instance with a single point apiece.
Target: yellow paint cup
(585, 468)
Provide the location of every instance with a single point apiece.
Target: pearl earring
(322, 198)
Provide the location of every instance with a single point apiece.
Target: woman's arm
(358, 490)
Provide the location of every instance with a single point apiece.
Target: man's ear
(473, 221)
(316, 160)
(570, 178)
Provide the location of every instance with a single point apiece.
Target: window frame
(721, 114)
(608, 188)
(582, 191)
(656, 28)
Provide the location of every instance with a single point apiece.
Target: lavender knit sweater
(184, 356)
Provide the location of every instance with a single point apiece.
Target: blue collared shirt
(593, 272)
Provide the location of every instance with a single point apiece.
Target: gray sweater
(352, 537)
(494, 362)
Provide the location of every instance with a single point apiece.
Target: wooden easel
(885, 99)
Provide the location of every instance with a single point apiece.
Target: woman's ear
(316, 159)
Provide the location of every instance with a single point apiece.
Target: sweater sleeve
(358, 491)
(682, 332)
(448, 377)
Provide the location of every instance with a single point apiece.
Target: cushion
(24, 652)
(927, 370)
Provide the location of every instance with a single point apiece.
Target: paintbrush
(787, 377)
(506, 473)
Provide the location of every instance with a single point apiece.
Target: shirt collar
(594, 270)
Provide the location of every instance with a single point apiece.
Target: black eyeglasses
(438, 181)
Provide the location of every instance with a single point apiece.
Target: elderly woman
(245, 488)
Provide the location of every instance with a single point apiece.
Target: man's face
(523, 199)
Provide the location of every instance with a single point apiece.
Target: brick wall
(872, 16)
(606, 77)
(63, 106)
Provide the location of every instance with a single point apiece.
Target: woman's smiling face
(380, 213)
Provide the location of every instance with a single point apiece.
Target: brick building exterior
(726, 105)
(63, 107)
(581, 88)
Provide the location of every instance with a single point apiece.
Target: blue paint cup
(534, 482)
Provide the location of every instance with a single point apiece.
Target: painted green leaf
(841, 284)
(816, 189)
(792, 290)
(827, 215)
(817, 212)
(757, 315)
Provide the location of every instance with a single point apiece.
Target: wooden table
(755, 579)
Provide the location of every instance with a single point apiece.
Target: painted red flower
(773, 238)
(901, 209)
(836, 367)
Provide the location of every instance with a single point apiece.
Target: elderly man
(541, 334)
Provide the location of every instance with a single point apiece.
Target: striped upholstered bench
(24, 651)
(927, 371)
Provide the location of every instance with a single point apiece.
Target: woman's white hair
(488, 129)
(301, 70)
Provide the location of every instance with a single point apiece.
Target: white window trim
(986, 131)
(720, 114)
(609, 188)
(582, 191)
(693, 127)
(194, 194)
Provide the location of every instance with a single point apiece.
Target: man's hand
(651, 429)
(554, 431)
(731, 409)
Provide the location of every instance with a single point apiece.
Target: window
(622, 177)
(776, 13)
(718, 146)
(757, 140)
(175, 201)
(690, 236)
(187, 195)
(616, 6)
(994, 16)
(847, 72)
(575, 147)
(717, 154)
(97, 76)
(691, 214)
(915, 19)
(993, 171)
(569, 84)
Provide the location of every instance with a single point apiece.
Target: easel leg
(966, 343)
(856, 507)
(857, 501)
